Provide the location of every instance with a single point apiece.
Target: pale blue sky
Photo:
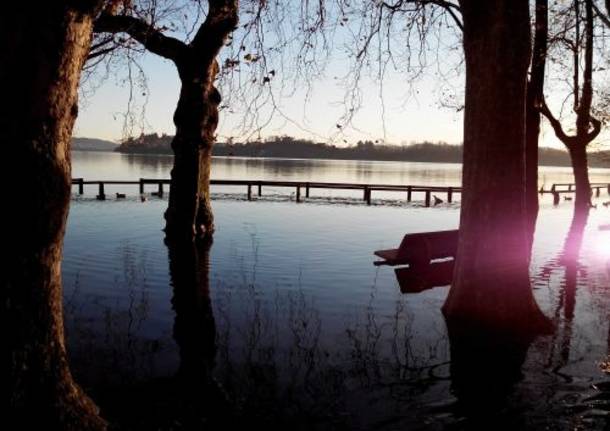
(411, 114)
(411, 110)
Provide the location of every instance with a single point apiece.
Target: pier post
(365, 196)
(101, 196)
(249, 192)
(160, 189)
(260, 188)
(597, 192)
(427, 198)
(608, 189)
(555, 198)
(141, 186)
(569, 187)
(298, 193)
(306, 190)
(409, 191)
(368, 195)
(81, 186)
(450, 194)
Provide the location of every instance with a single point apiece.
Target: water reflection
(417, 278)
(194, 327)
(202, 401)
(307, 333)
(157, 166)
(107, 335)
(102, 165)
(567, 259)
(485, 368)
(241, 359)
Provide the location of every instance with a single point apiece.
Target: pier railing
(299, 187)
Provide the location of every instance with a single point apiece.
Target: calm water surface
(294, 321)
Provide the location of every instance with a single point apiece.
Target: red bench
(418, 249)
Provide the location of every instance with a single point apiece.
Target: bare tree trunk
(44, 45)
(189, 212)
(491, 287)
(587, 126)
(535, 97)
(578, 155)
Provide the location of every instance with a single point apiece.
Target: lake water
(292, 319)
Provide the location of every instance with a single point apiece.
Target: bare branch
(602, 15)
(152, 39)
(452, 8)
(221, 20)
(555, 124)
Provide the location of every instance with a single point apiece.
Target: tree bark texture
(44, 45)
(189, 212)
(535, 97)
(491, 287)
(580, 168)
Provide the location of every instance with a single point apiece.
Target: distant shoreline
(592, 163)
(287, 147)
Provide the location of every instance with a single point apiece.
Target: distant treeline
(289, 147)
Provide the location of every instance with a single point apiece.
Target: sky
(410, 114)
(402, 110)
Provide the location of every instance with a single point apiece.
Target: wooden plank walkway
(298, 186)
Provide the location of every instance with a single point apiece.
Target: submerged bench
(415, 279)
(418, 249)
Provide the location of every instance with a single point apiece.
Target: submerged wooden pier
(427, 192)
(564, 188)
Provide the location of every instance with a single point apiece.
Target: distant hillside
(92, 144)
(289, 147)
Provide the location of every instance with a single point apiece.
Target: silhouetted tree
(587, 126)
(491, 287)
(45, 45)
(189, 213)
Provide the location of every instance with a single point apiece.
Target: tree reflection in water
(569, 260)
(277, 366)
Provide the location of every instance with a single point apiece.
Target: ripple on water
(304, 322)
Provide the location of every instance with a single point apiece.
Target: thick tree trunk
(531, 163)
(491, 287)
(535, 97)
(189, 212)
(578, 155)
(44, 46)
